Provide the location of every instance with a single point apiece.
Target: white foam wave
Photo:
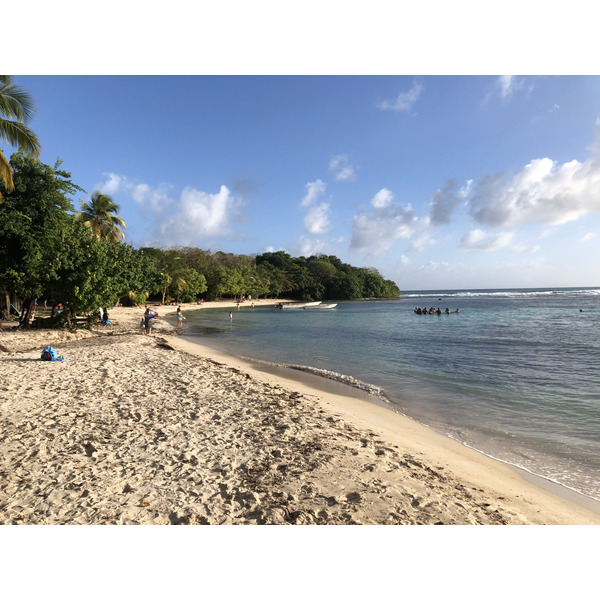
(502, 293)
(333, 375)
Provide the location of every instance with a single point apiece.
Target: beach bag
(50, 353)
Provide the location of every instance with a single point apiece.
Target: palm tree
(15, 104)
(100, 216)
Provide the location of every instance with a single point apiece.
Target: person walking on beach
(180, 318)
(148, 321)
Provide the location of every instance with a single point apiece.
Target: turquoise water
(514, 374)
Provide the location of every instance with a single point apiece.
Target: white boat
(326, 306)
(300, 305)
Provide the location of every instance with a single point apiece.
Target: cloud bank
(542, 192)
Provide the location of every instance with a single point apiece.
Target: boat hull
(293, 305)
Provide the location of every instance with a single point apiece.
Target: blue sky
(439, 181)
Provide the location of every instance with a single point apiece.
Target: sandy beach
(136, 429)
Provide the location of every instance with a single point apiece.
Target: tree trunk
(25, 313)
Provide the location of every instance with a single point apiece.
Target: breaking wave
(515, 293)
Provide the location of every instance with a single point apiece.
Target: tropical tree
(33, 222)
(196, 285)
(100, 216)
(17, 107)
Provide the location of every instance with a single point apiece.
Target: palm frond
(6, 174)
(18, 134)
(99, 216)
(15, 102)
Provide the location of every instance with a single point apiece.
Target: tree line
(49, 251)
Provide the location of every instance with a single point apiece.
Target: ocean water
(514, 374)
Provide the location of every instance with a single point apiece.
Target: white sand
(152, 429)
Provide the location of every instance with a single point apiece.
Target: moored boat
(299, 305)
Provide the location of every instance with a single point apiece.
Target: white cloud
(313, 191)
(479, 240)
(404, 101)
(542, 192)
(447, 199)
(422, 241)
(588, 236)
(316, 220)
(382, 200)
(341, 168)
(112, 185)
(376, 233)
(154, 200)
(508, 85)
(140, 192)
(198, 215)
(308, 246)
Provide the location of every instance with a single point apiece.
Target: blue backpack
(50, 353)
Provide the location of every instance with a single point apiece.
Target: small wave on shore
(333, 375)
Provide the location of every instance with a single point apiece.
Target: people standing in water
(431, 311)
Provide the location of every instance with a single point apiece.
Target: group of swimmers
(432, 311)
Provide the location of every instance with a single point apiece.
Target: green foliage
(92, 273)
(196, 285)
(33, 221)
(272, 274)
(46, 253)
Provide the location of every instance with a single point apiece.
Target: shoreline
(310, 383)
(324, 384)
(241, 444)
